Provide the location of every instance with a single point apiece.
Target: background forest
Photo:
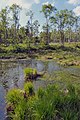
(60, 27)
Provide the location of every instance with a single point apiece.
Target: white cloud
(46, 3)
(77, 10)
(74, 2)
(19, 2)
(23, 3)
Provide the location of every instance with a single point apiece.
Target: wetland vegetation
(40, 69)
(53, 103)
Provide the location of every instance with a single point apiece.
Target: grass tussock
(52, 103)
(30, 73)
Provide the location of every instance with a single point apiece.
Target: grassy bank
(53, 103)
(69, 55)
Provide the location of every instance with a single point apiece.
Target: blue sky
(35, 5)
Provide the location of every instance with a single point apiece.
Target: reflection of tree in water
(16, 82)
(3, 80)
(11, 73)
(5, 75)
(5, 85)
(5, 65)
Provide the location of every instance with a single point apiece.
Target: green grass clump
(51, 103)
(14, 96)
(55, 103)
(30, 73)
(17, 102)
(29, 89)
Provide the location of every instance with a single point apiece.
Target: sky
(35, 6)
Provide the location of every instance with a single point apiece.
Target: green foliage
(14, 96)
(20, 111)
(40, 92)
(56, 104)
(17, 48)
(20, 47)
(47, 10)
(28, 87)
(30, 73)
(51, 103)
(17, 102)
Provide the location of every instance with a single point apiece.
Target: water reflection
(2, 103)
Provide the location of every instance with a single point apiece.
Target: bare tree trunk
(62, 37)
(47, 32)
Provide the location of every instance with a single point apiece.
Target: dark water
(12, 75)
